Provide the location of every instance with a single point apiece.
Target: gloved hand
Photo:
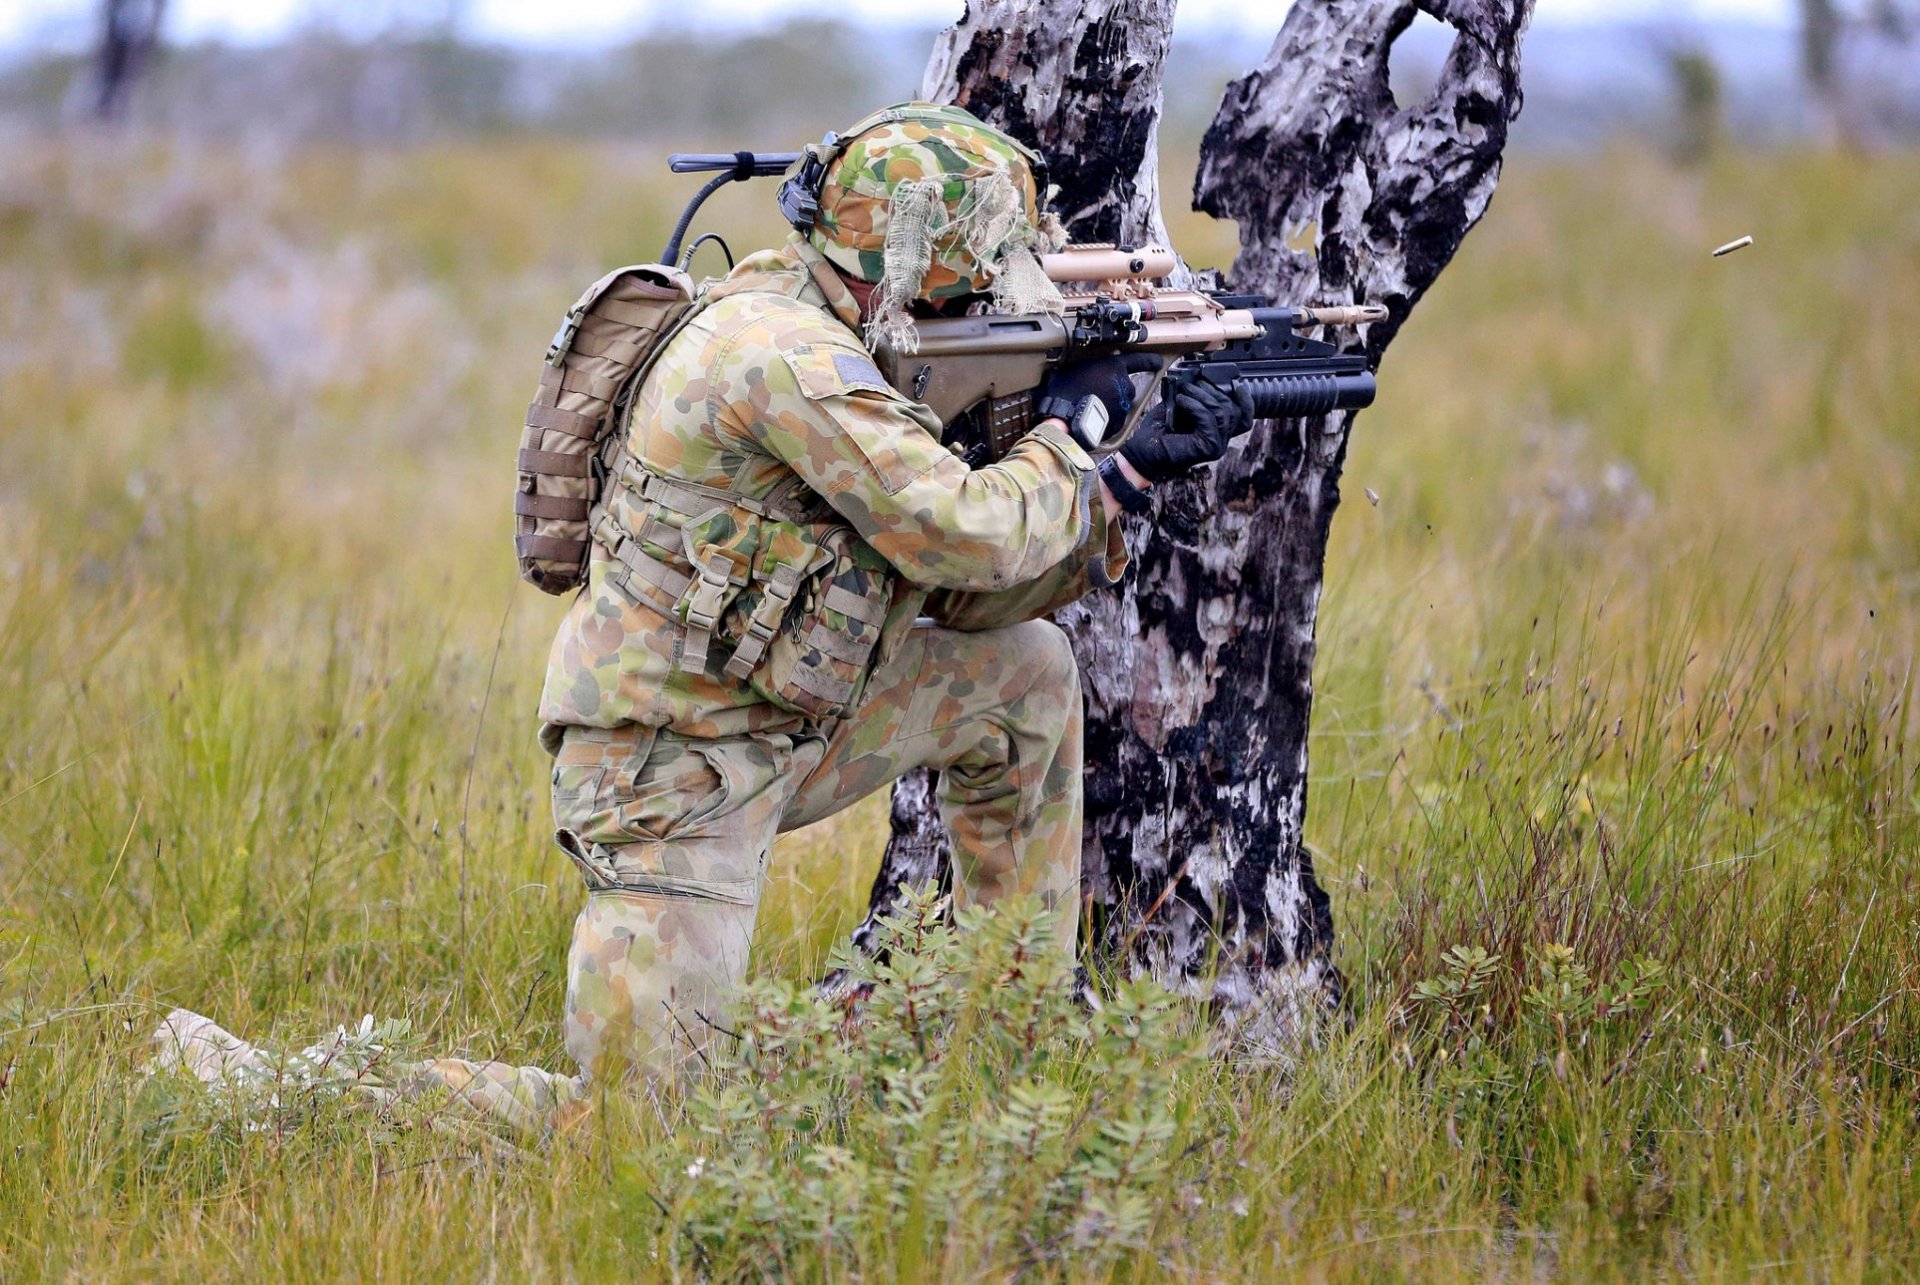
(1193, 429)
(1104, 379)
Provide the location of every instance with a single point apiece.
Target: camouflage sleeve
(823, 408)
(1041, 596)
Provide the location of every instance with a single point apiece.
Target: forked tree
(1199, 673)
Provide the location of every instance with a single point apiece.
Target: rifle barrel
(1359, 314)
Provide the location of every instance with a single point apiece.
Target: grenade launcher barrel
(1290, 376)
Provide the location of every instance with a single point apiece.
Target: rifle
(980, 373)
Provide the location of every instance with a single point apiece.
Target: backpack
(608, 341)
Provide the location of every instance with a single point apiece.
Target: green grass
(1619, 661)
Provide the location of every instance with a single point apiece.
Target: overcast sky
(582, 20)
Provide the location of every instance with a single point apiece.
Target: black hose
(672, 252)
(687, 259)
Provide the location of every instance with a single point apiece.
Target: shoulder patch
(824, 371)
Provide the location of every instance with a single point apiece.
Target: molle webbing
(696, 552)
(691, 499)
(765, 620)
(604, 348)
(636, 561)
(707, 579)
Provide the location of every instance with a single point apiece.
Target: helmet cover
(928, 202)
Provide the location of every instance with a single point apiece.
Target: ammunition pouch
(774, 598)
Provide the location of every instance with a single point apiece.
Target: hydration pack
(603, 349)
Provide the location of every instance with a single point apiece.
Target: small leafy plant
(1455, 994)
(969, 1083)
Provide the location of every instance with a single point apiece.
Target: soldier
(796, 593)
(681, 744)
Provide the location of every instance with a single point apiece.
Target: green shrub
(968, 1082)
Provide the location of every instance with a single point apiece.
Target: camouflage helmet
(929, 202)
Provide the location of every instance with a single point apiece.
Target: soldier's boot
(526, 1097)
(998, 713)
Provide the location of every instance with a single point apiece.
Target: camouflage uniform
(672, 778)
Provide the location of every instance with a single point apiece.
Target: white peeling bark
(1199, 674)
(1079, 79)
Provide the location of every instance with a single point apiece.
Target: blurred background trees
(1838, 41)
(399, 71)
(1699, 102)
(129, 33)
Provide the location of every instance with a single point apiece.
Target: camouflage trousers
(673, 835)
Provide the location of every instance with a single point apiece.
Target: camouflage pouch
(818, 657)
(719, 547)
(795, 605)
(603, 349)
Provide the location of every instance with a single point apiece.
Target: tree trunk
(129, 33)
(918, 854)
(1199, 673)
(1080, 80)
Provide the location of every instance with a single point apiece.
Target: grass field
(1619, 663)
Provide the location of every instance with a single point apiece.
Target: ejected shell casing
(1731, 246)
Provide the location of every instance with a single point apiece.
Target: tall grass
(1618, 663)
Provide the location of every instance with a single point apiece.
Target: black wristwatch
(1086, 421)
(1132, 498)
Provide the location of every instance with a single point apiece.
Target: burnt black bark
(1200, 673)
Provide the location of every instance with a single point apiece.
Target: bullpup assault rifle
(980, 373)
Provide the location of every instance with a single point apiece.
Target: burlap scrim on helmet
(929, 203)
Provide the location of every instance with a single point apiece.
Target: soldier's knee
(648, 975)
(1045, 657)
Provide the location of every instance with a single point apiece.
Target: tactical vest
(797, 599)
(792, 594)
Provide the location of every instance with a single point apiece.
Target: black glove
(1193, 430)
(1105, 379)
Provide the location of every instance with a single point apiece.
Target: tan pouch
(794, 608)
(605, 345)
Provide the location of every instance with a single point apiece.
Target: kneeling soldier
(797, 593)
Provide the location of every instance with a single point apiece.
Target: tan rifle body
(988, 366)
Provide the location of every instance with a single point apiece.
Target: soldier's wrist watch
(1086, 420)
(1132, 498)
